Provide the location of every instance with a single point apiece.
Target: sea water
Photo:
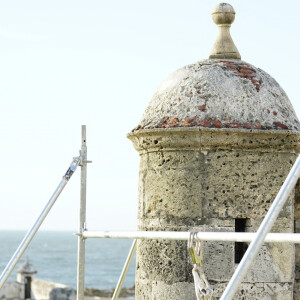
(54, 255)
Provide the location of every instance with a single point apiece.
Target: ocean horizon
(54, 255)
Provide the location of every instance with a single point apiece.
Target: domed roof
(27, 268)
(220, 93)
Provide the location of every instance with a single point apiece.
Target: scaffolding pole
(82, 216)
(124, 271)
(293, 238)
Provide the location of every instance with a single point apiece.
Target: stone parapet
(48, 290)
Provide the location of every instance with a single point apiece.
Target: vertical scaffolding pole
(82, 217)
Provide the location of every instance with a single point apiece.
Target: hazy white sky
(67, 63)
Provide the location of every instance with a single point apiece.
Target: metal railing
(256, 239)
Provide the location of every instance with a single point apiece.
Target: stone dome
(27, 268)
(220, 93)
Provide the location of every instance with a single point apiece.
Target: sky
(68, 63)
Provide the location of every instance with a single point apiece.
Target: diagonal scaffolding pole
(124, 271)
(263, 230)
(32, 231)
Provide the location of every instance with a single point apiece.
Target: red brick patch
(280, 125)
(217, 124)
(174, 120)
(189, 120)
(209, 123)
(243, 71)
(247, 126)
(246, 71)
(202, 107)
(204, 123)
(184, 124)
(163, 126)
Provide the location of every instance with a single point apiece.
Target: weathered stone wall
(12, 290)
(197, 178)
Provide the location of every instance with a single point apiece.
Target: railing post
(82, 217)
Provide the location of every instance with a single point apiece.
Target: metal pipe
(262, 231)
(32, 231)
(82, 217)
(124, 271)
(293, 238)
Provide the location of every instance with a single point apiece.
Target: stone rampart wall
(45, 290)
(12, 291)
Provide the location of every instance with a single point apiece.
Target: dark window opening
(240, 248)
(27, 287)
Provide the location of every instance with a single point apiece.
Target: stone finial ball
(223, 14)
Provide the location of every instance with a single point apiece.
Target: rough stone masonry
(216, 142)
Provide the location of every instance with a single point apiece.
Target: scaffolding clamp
(76, 161)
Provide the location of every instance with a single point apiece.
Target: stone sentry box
(216, 142)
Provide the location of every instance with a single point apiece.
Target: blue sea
(54, 255)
